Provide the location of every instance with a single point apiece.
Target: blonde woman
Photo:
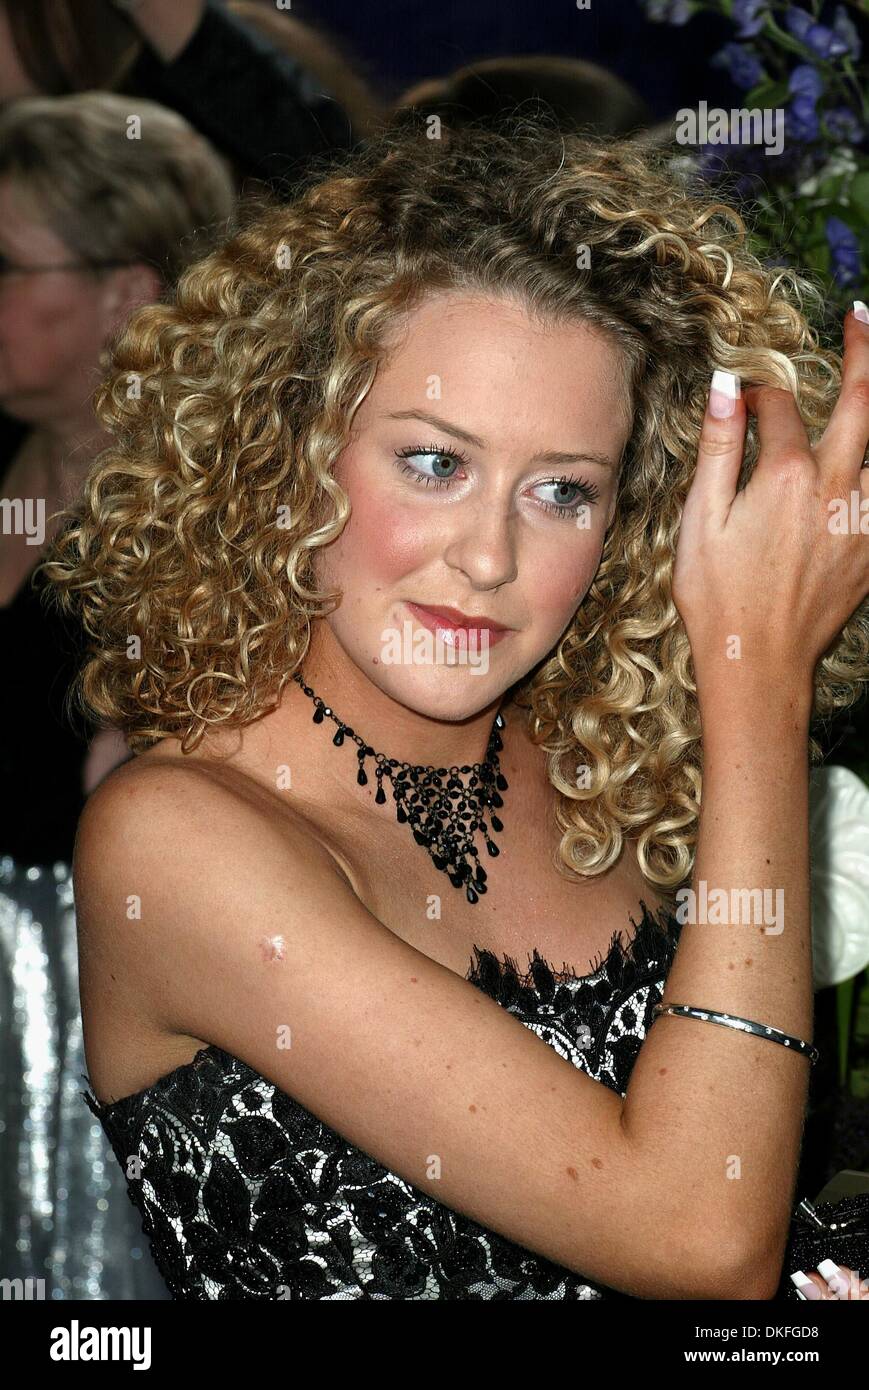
(424, 584)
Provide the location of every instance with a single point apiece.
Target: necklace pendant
(443, 812)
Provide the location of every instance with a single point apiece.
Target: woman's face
(473, 515)
(53, 323)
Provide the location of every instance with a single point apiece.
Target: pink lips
(435, 622)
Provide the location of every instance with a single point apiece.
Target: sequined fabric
(64, 1215)
(244, 1194)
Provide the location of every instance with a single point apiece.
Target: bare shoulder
(160, 841)
(189, 804)
(158, 823)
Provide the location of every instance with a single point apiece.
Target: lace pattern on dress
(244, 1194)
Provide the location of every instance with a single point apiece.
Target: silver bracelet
(742, 1025)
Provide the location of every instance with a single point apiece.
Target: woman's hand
(768, 576)
(831, 1281)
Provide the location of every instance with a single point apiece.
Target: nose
(483, 545)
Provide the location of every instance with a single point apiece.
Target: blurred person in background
(98, 215)
(410, 42)
(268, 91)
(103, 201)
(581, 95)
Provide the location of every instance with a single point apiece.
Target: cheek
(383, 541)
(558, 578)
(44, 334)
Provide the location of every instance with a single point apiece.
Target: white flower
(839, 840)
(841, 161)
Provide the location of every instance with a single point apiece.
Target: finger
(780, 430)
(722, 443)
(842, 446)
(811, 1287)
(839, 1278)
(858, 1288)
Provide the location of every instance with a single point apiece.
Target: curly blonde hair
(248, 382)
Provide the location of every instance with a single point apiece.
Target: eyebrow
(554, 456)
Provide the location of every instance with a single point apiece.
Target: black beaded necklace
(443, 813)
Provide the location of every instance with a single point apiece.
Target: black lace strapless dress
(244, 1194)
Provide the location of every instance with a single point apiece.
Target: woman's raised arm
(764, 584)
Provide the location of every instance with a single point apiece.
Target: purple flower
(842, 124)
(844, 27)
(750, 16)
(801, 120)
(806, 81)
(823, 41)
(805, 85)
(844, 252)
(742, 63)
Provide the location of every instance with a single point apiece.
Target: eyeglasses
(9, 267)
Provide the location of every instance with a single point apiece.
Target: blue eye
(432, 451)
(588, 492)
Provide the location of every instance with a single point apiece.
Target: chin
(447, 693)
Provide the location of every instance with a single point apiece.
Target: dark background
(403, 41)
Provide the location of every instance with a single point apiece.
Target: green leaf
(829, 189)
(859, 194)
(768, 95)
(817, 258)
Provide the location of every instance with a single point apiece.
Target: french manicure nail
(834, 1276)
(860, 311)
(723, 393)
(806, 1286)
